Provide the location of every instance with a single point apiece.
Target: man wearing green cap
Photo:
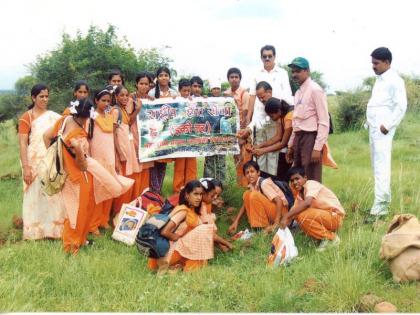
(310, 122)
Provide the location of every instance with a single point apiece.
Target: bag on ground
(401, 248)
(283, 248)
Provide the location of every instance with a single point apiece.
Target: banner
(174, 128)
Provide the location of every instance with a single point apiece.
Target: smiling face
(252, 175)
(81, 93)
(297, 181)
(219, 191)
(380, 66)
(122, 98)
(41, 100)
(194, 198)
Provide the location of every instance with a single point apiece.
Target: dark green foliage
(315, 75)
(90, 57)
(351, 110)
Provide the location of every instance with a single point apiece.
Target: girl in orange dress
(43, 215)
(83, 173)
(163, 89)
(80, 91)
(211, 192)
(143, 81)
(126, 160)
(191, 241)
(102, 150)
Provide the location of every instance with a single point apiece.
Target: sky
(207, 37)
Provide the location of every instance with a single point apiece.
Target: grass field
(109, 276)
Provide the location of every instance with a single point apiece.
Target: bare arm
(222, 241)
(23, 148)
(133, 115)
(234, 226)
(279, 145)
(251, 105)
(296, 209)
(168, 231)
(81, 161)
(48, 136)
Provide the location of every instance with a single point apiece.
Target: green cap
(299, 62)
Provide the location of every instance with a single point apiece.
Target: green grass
(110, 276)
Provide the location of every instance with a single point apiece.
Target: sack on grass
(401, 248)
(129, 221)
(283, 248)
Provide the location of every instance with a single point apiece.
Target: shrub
(351, 110)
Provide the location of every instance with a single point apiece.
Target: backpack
(149, 241)
(51, 168)
(150, 197)
(284, 187)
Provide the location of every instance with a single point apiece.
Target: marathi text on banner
(175, 128)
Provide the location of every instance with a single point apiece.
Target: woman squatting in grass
(191, 241)
(317, 209)
(264, 202)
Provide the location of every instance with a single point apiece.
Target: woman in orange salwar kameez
(264, 203)
(143, 81)
(126, 159)
(191, 241)
(82, 172)
(102, 150)
(80, 91)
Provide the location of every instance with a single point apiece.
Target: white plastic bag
(283, 248)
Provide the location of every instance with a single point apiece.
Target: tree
(90, 58)
(315, 75)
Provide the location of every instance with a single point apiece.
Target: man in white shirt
(385, 110)
(279, 81)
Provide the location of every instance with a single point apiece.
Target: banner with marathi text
(174, 128)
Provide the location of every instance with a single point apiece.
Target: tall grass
(109, 276)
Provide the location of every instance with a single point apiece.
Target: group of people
(282, 137)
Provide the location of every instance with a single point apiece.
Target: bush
(351, 110)
(412, 86)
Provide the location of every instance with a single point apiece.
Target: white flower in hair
(73, 106)
(93, 113)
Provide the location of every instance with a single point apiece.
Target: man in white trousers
(385, 110)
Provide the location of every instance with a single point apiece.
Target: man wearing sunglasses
(278, 79)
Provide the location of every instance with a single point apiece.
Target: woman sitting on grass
(191, 240)
(211, 191)
(317, 209)
(264, 202)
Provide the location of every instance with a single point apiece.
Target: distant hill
(6, 91)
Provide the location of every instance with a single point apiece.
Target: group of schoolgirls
(100, 155)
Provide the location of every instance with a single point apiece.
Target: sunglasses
(267, 57)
